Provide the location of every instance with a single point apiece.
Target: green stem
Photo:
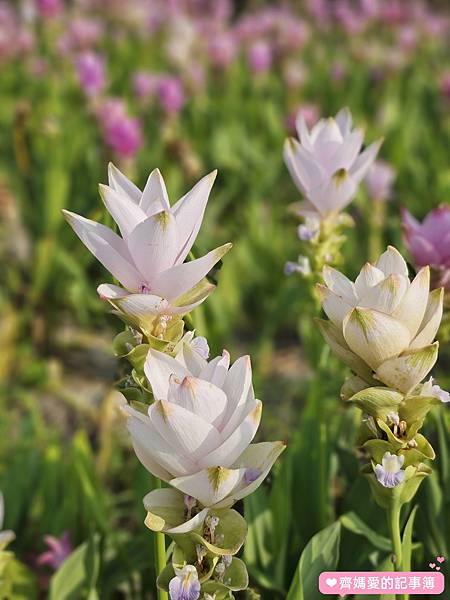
(160, 553)
(394, 530)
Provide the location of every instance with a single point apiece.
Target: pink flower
(379, 180)
(49, 8)
(144, 84)
(59, 550)
(429, 242)
(171, 94)
(445, 85)
(260, 56)
(222, 49)
(91, 73)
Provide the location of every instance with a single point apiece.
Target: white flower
(327, 165)
(383, 325)
(185, 585)
(197, 434)
(148, 260)
(431, 389)
(390, 473)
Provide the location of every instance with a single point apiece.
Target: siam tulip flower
(171, 94)
(145, 84)
(429, 242)
(383, 325)
(259, 56)
(222, 49)
(122, 132)
(49, 8)
(91, 73)
(59, 550)
(390, 473)
(197, 435)
(379, 180)
(185, 585)
(327, 165)
(148, 260)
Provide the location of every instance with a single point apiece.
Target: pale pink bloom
(145, 84)
(201, 425)
(222, 49)
(91, 72)
(327, 164)
(379, 180)
(148, 260)
(122, 132)
(49, 8)
(259, 56)
(59, 549)
(171, 94)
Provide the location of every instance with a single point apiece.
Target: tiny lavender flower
(59, 550)
(185, 585)
(431, 389)
(390, 473)
(302, 266)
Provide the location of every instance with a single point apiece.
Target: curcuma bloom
(197, 434)
(390, 473)
(327, 164)
(148, 258)
(185, 585)
(429, 242)
(383, 325)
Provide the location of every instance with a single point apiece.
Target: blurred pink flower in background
(338, 71)
(445, 84)
(49, 8)
(58, 550)
(121, 132)
(222, 49)
(429, 242)
(309, 112)
(145, 84)
(82, 33)
(91, 72)
(259, 56)
(379, 180)
(171, 94)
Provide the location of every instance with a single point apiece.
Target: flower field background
(190, 86)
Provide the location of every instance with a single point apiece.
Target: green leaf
(77, 576)
(320, 554)
(407, 541)
(353, 523)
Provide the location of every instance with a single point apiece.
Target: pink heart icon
(440, 559)
(432, 565)
(438, 568)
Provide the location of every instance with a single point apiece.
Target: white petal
(199, 397)
(125, 212)
(187, 302)
(119, 182)
(302, 131)
(367, 278)
(210, 486)
(235, 443)
(339, 284)
(409, 369)
(141, 305)
(348, 151)
(344, 121)
(191, 359)
(411, 309)
(334, 193)
(392, 261)
(237, 386)
(335, 307)
(431, 320)
(189, 211)
(180, 278)
(374, 336)
(154, 198)
(108, 291)
(107, 247)
(187, 433)
(364, 161)
(216, 370)
(158, 368)
(153, 244)
(304, 169)
(386, 295)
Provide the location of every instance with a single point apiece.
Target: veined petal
(303, 167)
(257, 458)
(348, 151)
(364, 161)
(189, 211)
(140, 305)
(411, 309)
(374, 336)
(107, 247)
(158, 368)
(153, 244)
(191, 359)
(335, 307)
(211, 485)
(125, 212)
(340, 284)
(199, 397)
(392, 261)
(339, 346)
(236, 386)
(187, 433)
(108, 291)
(408, 370)
(235, 443)
(216, 370)
(367, 278)
(344, 121)
(157, 456)
(119, 182)
(431, 320)
(386, 295)
(177, 280)
(154, 198)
